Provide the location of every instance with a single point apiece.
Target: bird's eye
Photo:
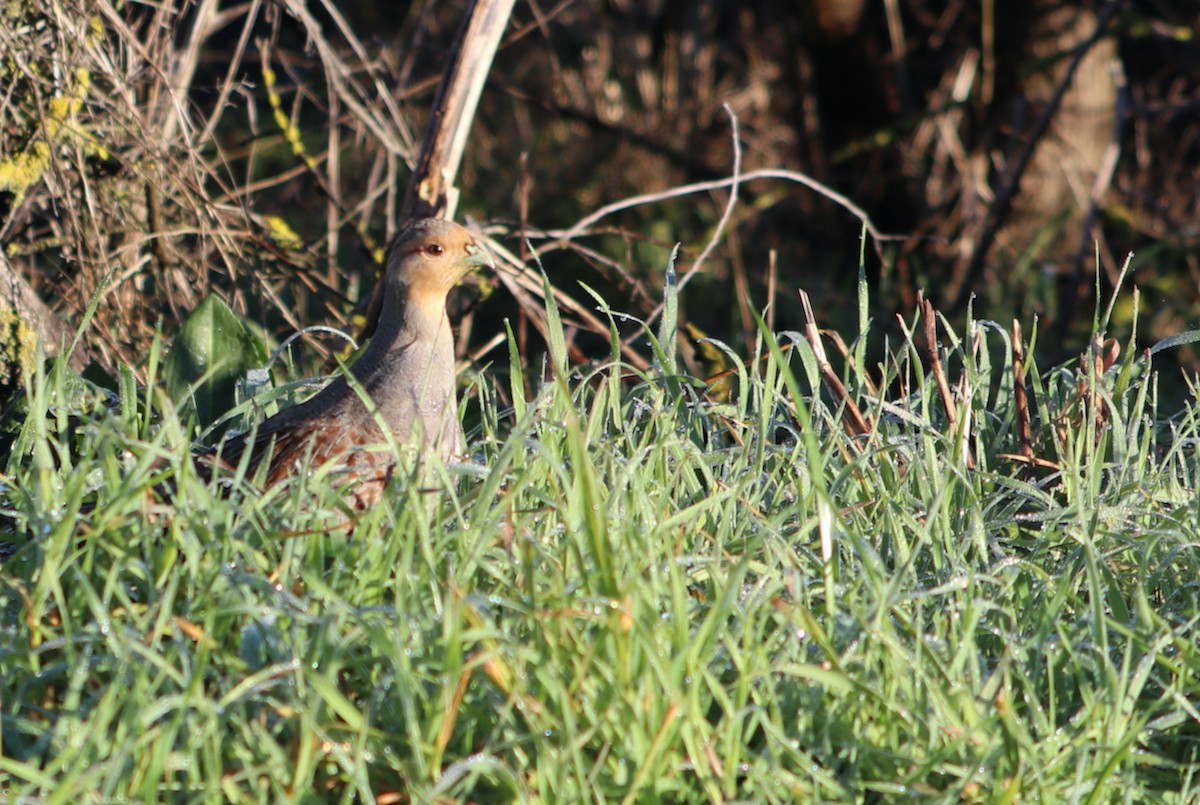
(435, 250)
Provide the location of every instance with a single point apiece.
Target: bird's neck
(413, 330)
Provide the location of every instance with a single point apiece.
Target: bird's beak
(477, 257)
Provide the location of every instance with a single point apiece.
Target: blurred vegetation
(152, 156)
(644, 585)
(635, 593)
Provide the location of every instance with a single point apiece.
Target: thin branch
(735, 180)
(935, 364)
(729, 205)
(582, 226)
(853, 420)
(1021, 396)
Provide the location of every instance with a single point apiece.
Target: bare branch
(581, 227)
(431, 190)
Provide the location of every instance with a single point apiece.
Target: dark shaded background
(925, 114)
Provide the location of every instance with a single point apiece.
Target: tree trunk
(1056, 191)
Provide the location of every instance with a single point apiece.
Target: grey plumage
(406, 372)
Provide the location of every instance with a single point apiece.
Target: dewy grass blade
(636, 595)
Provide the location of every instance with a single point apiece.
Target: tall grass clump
(642, 586)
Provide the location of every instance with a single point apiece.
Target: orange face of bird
(432, 255)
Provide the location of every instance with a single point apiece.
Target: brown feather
(407, 372)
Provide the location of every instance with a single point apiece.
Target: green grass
(624, 598)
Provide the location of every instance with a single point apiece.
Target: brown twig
(852, 418)
(1021, 397)
(935, 364)
(525, 285)
(840, 345)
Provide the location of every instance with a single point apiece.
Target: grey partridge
(406, 373)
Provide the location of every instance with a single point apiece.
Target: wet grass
(636, 590)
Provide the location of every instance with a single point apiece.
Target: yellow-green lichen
(290, 133)
(18, 346)
(65, 106)
(282, 234)
(19, 173)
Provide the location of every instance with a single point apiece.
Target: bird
(404, 380)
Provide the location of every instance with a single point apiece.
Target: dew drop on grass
(549, 733)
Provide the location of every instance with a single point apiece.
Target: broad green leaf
(213, 349)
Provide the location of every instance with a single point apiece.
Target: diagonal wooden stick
(431, 189)
(852, 418)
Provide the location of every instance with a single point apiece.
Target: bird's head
(430, 256)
